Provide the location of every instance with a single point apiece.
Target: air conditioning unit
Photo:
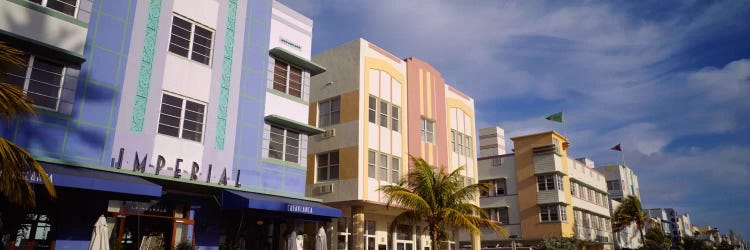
(329, 133)
(324, 189)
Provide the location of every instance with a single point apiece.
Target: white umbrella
(320, 240)
(291, 243)
(100, 236)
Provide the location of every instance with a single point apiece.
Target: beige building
(540, 192)
(378, 109)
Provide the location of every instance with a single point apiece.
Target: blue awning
(232, 199)
(85, 178)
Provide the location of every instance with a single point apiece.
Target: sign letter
(223, 178)
(194, 172)
(160, 162)
(139, 166)
(177, 168)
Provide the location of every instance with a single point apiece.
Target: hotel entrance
(150, 225)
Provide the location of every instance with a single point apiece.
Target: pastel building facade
(188, 115)
(622, 182)
(540, 192)
(376, 109)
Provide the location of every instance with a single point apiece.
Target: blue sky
(668, 79)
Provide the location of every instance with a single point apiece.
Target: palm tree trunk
(434, 236)
(643, 240)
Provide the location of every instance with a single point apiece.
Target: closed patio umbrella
(320, 240)
(291, 242)
(100, 235)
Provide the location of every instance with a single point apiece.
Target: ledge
(284, 163)
(288, 123)
(292, 58)
(41, 48)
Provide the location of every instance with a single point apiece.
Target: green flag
(557, 117)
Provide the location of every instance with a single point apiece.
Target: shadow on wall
(80, 135)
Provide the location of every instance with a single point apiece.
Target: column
(358, 227)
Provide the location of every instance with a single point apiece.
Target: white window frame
(546, 179)
(504, 184)
(372, 114)
(468, 145)
(182, 118)
(328, 165)
(372, 164)
(29, 68)
(191, 40)
(428, 136)
(395, 169)
(383, 114)
(383, 167)
(75, 8)
(395, 117)
(453, 140)
(497, 161)
(329, 112)
(284, 145)
(549, 210)
(345, 232)
(460, 141)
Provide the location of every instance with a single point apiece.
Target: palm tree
(629, 212)
(439, 199)
(17, 162)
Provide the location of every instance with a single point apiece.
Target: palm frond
(406, 218)
(14, 102)
(14, 167)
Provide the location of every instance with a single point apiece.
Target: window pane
(334, 172)
(371, 164)
(372, 115)
(383, 167)
(292, 146)
(394, 118)
(295, 82)
(65, 6)
(383, 114)
(276, 145)
(279, 76)
(167, 130)
(395, 168)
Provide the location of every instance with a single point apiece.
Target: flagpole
(622, 152)
(562, 118)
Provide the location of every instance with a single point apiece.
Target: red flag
(617, 147)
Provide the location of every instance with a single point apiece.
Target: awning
(288, 123)
(233, 199)
(85, 178)
(290, 57)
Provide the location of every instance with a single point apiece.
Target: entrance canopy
(232, 199)
(85, 178)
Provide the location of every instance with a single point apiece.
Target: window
(613, 185)
(559, 182)
(460, 140)
(39, 78)
(394, 117)
(329, 112)
(383, 113)
(453, 140)
(558, 149)
(598, 198)
(343, 227)
(499, 214)
(497, 161)
(373, 109)
(468, 145)
(582, 192)
(577, 217)
(34, 230)
(585, 220)
(427, 130)
(371, 158)
(65, 6)
(287, 78)
(591, 195)
(284, 144)
(328, 166)
(383, 167)
(550, 213)
(370, 235)
(500, 187)
(594, 221)
(181, 118)
(191, 40)
(395, 169)
(573, 186)
(549, 182)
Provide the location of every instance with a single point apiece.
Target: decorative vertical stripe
(226, 76)
(147, 63)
